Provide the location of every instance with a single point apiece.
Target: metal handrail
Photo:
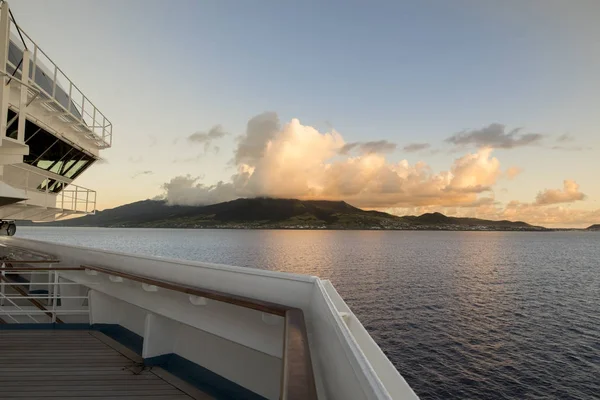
(19, 81)
(98, 119)
(68, 187)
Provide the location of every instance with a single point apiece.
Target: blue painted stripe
(204, 379)
(127, 338)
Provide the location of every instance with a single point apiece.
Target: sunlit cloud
(298, 161)
(513, 172)
(568, 194)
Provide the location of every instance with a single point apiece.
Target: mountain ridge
(270, 213)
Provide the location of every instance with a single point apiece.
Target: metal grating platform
(80, 364)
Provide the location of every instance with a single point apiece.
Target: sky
(467, 107)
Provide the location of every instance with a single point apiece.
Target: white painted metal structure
(36, 95)
(240, 344)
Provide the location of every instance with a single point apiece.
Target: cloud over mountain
(298, 161)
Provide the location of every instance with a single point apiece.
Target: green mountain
(262, 213)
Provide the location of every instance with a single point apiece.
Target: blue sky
(403, 71)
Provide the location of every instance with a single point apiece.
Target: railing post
(4, 43)
(54, 83)
(2, 288)
(55, 296)
(70, 93)
(23, 97)
(75, 198)
(35, 50)
(94, 121)
(62, 201)
(87, 197)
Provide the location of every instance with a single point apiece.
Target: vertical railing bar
(54, 83)
(55, 296)
(2, 289)
(70, 94)
(35, 50)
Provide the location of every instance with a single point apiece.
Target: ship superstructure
(50, 132)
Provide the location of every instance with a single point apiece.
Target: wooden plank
(30, 269)
(88, 383)
(102, 397)
(88, 387)
(246, 302)
(115, 393)
(33, 380)
(298, 378)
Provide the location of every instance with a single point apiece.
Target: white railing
(17, 305)
(61, 96)
(71, 199)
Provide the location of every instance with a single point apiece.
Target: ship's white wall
(108, 310)
(249, 368)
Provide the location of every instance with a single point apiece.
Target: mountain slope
(595, 227)
(277, 213)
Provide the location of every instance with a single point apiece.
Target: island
(270, 213)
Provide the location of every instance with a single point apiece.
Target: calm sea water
(462, 315)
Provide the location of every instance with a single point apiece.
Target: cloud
(260, 130)
(142, 173)
(206, 138)
(569, 193)
(495, 136)
(566, 137)
(512, 172)
(414, 147)
(380, 146)
(185, 190)
(298, 161)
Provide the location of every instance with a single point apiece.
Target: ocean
(462, 315)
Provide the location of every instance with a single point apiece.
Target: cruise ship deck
(81, 364)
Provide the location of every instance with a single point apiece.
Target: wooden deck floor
(63, 364)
